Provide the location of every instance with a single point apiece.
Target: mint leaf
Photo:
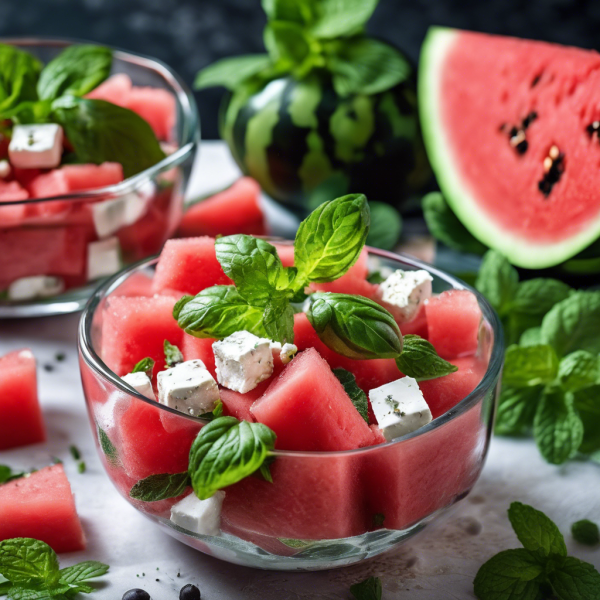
(83, 571)
(109, 449)
(231, 72)
(497, 281)
(531, 337)
(217, 312)
(19, 72)
(77, 70)
(579, 370)
(557, 428)
(536, 531)
(278, 320)
(330, 240)
(419, 359)
(358, 397)
(225, 452)
(536, 297)
(585, 532)
(28, 561)
(173, 355)
(587, 404)
(509, 575)
(575, 580)
(386, 227)
(215, 413)
(7, 474)
(287, 10)
(160, 487)
(516, 410)
(354, 326)
(287, 43)
(336, 18)
(369, 589)
(146, 365)
(529, 366)
(100, 131)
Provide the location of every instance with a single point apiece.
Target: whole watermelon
(293, 135)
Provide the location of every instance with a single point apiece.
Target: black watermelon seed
(545, 187)
(536, 80)
(522, 146)
(529, 119)
(593, 128)
(513, 132)
(189, 592)
(136, 594)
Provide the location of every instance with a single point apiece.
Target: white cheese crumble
(285, 352)
(141, 383)
(5, 169)
(111, 215)
(104, 258)
(36, 146)
(399, 407)
(36, 286)
(202, 517)
(403, 292)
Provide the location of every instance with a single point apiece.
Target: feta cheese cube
(399, 407)
(36, 286)
(188, 387)
(36, 146)
(285, 352)
(403, 292)
(104, 258)
(243, 360)
(141, 383)
(5, 169)
(111, 215)
(202, 517)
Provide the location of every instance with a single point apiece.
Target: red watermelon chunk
(89, 177)
(353, 281)
(14, 214)
(189, 265)
(286, 254)
(115, 89)
(21, 421)
(41, 506)
(234, 210)
(138, 284)
(199, 348)
(308, 408)
(453, 322)
(134, 328)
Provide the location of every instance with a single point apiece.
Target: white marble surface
(438, 564)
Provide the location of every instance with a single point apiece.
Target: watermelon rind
(521, 252)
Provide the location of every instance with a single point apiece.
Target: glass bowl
(323, 509)
(127, 221)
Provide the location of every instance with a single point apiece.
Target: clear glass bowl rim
(489, 379)
(185, 98)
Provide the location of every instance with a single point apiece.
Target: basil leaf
(573, 324)
(297, 11)
(516, 409)
(77, 70)
(278, 320)
(536, 531)
(367, 66)
(529, 366)
(536, 297)
(358, 397)
(180, 304)
(146, 365)
(420, 360)
(7, 474)
(585, 532)
(219, 311)
(109, 449)
(575, 580)
(103, 132)
(497, 281)
(354, 326)
(287, 43)
(531, 337)
(557, 427)
(579, 370)
(173, 355)
(225, 452)
(330, 240)
(19, 72)
(369, 589)
(83, 571)
(25, 560)
(231, 72)
(253, 264)
(386, 226)
(445, 226)
(160, 487)
(587, 404)
(336, 18)
(509, 574)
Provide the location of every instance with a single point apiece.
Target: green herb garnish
(74, 450)
(146, 365)
(7, 474)
(369, 589)
(358, 397)
(160, 487)
(173, 355)
(585, 532)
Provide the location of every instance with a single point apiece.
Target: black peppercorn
(136, 594)
(189, 592)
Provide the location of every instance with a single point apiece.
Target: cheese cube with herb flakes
(36, 286)
(141, 383)
(104, 258)
(285, 352)
(202, 517)
(243, 360)
(403, 293)
(36, 146)
(188, 387)
(399, 407)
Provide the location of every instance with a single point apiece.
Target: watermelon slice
(234, 210)
(511, 129)
(189, 265)
(41, 506)
(21, 421)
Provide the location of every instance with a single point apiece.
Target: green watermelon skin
(291, 136)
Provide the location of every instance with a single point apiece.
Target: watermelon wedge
(512, 129)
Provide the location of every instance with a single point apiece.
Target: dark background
(189, 34)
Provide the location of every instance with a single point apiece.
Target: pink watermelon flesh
(285, 253)
(234, 210)
(21, 421)
(308, 408)
(41, 506)
(453, 322)
(138, 284)
(199, 348)
(14, 214)
(115, 89)
(353, 281)
(189, 265)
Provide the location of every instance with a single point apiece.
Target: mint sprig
(160, 487)
(173, 355)
(542, 565)
(369, 589)
(146, 365)
(420, 360)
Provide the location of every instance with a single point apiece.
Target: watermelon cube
(308, 408)
(417, 325)
(353, 281)
(285, 253)
(89, 176)
(189, 265)
(41, 506)
(193, 348)
(14, 214)
(138, 284)
(21, 421)
(157, 107)
(134, 328)
(453, 322)
(115, 89)
(234, 210)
